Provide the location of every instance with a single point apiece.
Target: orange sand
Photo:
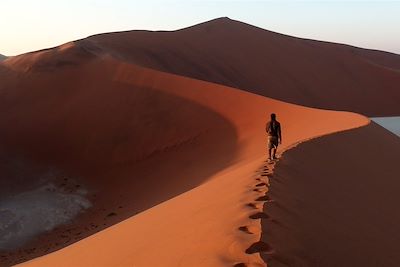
(296, 70)
(198, 227)
(172, 157)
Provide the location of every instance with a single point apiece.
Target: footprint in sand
(259, 215)
(111, 214)
(245, 229)
(263, 198)
(260, 247)
(252, 205)
(261, 184)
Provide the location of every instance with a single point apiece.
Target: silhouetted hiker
(273, 129)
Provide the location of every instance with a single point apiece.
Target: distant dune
(232, 53)
(2, 57)
(155, 138)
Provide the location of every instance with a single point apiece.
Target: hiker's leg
(269, 153)
(273, 152)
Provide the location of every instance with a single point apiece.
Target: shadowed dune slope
(228, 52)
(145, 122)
(336, 201)
(136, 137)
(129, 142)
(2, 57)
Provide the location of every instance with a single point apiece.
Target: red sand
(232, 53)
(138, 137)
(336, 201)
(178, 152)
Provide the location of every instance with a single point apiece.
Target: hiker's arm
(279, 134)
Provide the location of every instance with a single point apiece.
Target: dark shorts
(272, 142)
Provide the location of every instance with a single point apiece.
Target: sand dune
(307, 72)
(166, 163)
(336, 201)
(114, 137)
(228, 52)
(178, 150)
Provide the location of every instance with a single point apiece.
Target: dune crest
(228, 52)
(200, 224)
(165, 131)
(296, 70)
(335, 202)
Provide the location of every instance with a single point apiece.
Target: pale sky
(28, 25)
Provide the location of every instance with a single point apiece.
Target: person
(273, 129)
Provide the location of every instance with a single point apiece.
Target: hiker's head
(273, 116)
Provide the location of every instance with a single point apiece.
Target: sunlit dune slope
(135, 137)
